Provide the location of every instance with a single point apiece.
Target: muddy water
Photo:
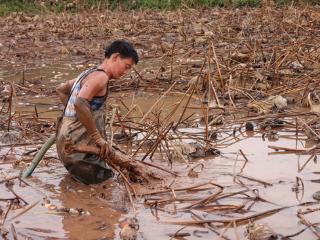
(107, 203)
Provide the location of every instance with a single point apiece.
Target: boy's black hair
(125, 49)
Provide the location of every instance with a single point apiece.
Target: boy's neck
(104, 66)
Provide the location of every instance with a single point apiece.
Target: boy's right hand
(105, 146)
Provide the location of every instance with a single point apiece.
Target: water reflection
(103, 217)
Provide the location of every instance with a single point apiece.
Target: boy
(83, 117)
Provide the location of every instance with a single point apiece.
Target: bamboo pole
(36, 160)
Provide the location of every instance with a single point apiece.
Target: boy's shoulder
(98, 77)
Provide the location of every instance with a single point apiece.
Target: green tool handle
(45, 147)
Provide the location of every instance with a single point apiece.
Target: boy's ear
(114, 56)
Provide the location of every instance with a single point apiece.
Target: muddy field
(226, 100)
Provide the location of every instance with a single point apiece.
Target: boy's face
(120, 66)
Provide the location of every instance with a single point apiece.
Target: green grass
(9, 6)
(33, 6)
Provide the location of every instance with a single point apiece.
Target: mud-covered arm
(84, 114)
(83, 111)
(64, 90)
(90, 89)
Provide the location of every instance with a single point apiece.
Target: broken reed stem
(225, 195)
(236, 230)
(36, 111)
(8, 179)
(305, 90)
(297, 133)
(177, 151)
(129, 196)
(205, 200)
(234, 167)
(313, 229)
(143, 141)
(161, 136)
(120, 122)
(192, 92)
(159, 99)
(215, 94)
(298, 189)
(127, 185)
(209, 226)
(124, 117)
(2, 108)
(208, 99)
(158, 146)
(158, 167)
(311, 129)
(10, 106)
(244, 93)
(170, 115)
(229, 94)
(255, 180)
(305, 164)
(246, 160)
(110, 124)
(14, 233)
(206, 117)
(171, 69)
(24, 210)
(218, 68)
(225, 229)
(191, 188)
(297, 233)
(176, 234)
(212, 85)
(238, 221)
(23, 76)
(17, 196)
(125, 105)
(139, 78)
(6, 213)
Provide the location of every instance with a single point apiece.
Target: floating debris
(129, 228)
(249, 126)
(201, 152)
(72, 211)
(316, 196)
(11, 137)
(262, 232)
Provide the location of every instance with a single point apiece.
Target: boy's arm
(90, 88)
(82, 107)
(64, 90)
(84, 115)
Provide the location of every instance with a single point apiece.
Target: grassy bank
(38, 6)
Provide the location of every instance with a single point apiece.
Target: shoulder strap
(101, 70)
(82, 75)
